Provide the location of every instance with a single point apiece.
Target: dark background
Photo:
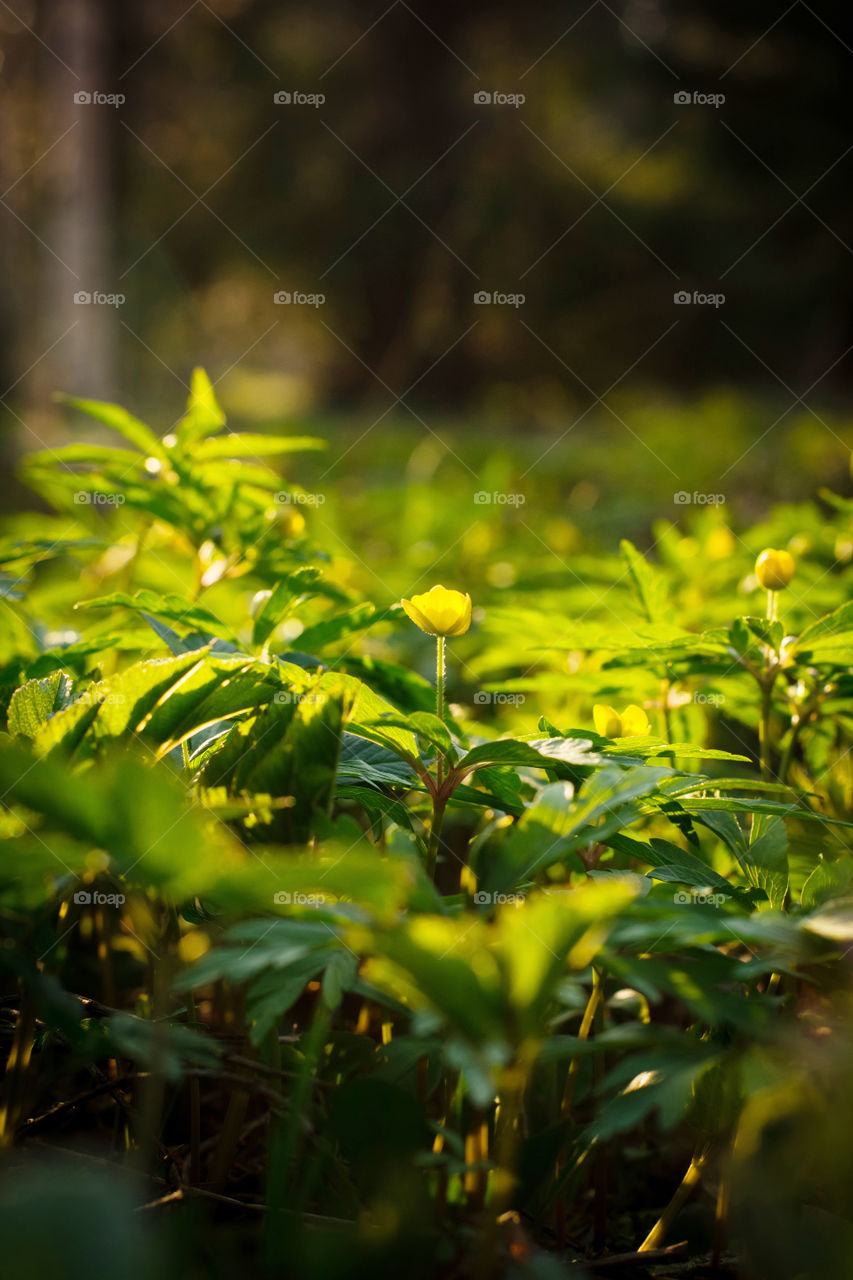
(598, 198)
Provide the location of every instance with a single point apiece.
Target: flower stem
(438, 806)
(440, 675)
(764, 728)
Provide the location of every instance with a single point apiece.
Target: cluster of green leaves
(502, 947)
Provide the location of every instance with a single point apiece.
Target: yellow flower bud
(774, 569)
(440, 612)
(633, 722)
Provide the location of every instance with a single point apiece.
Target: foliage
(454, 974)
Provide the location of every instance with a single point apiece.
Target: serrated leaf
(35, 702)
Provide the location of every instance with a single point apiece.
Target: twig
(188, 1193)
(106, 1086)
(670, 1253)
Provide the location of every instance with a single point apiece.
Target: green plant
(311, 946)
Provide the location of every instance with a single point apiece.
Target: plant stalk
(688, 1185)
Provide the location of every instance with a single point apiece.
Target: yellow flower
(774, 569)
(440, 612)
(633, 722)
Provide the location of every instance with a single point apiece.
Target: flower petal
(608, 723)
(635, 722)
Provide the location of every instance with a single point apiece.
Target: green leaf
(671, 863)
(762, 853)
(537, 754)
(766, 857)
(120, 420)
(173, 608)
(296, 586)
(422, 724)
(255, 445)
(372, 762)
(834, 624)
(559, 821)
(646, 584)
(828, 880)
(35, 702)
(290, 750)
(203, 414)
(164, 699)
(833, 920)
(317, 637)
(338, 977)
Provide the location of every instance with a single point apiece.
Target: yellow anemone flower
(633, 722)
(774, 569)
(440, 612)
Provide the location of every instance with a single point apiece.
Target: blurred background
(313, 202)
